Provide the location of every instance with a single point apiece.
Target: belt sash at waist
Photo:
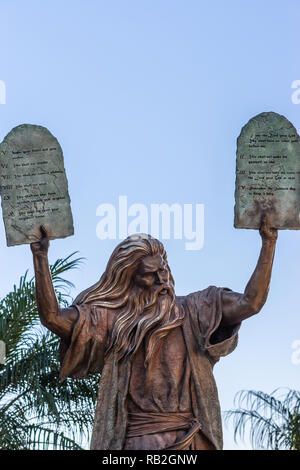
(141, 424)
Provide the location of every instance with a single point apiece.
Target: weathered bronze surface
(155, 351)
(268, 173)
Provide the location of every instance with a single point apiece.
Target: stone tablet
(34, 187)
(268, 173)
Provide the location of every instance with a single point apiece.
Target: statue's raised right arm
(59, 320)
(237, 307)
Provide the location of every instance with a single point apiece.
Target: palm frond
(272, 422)
(36, 412)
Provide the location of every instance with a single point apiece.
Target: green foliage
(273, 422)
(36, 411)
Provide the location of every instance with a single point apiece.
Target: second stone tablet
(268, 173)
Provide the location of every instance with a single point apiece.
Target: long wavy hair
(139, 311)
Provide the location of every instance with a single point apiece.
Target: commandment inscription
(268, 173)
(34, 187)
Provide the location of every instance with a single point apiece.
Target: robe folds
(205, 339)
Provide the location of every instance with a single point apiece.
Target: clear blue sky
(147, 99)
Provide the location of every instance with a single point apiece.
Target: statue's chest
(164, 384)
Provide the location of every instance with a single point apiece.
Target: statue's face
(153, 273)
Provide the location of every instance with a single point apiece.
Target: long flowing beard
(148, 316)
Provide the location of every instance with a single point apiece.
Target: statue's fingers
(34, 246)
(43, 231)
(263, 222)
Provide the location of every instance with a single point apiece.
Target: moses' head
(138, 284)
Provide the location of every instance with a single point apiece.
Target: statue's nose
(162, 278)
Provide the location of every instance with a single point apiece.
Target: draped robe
(203, 341)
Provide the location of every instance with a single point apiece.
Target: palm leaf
(36, 412)
(272, 422)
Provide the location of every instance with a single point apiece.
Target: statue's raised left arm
(237, 307)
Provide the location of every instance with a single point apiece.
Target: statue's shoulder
(204, 294)
(93, 310)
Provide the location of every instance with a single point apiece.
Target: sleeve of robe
(84, 353)
(205, 309)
